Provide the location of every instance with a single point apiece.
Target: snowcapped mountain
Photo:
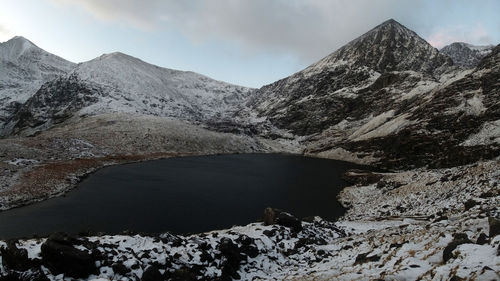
(24, 67)
(389, 46)
(346, 83)
(466, 55)
(387, 98)
(120, 83)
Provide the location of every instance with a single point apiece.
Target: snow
(489, 133)
(25, 67)
(134, 86)
(22, 162)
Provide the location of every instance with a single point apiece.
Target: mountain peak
(390, 46)
(15, 48)
(465, 54)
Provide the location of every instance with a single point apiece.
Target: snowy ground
(396, 229)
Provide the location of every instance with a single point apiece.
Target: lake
(186, 195)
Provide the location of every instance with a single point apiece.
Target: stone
(15, 258)
(494, 224)
(152, 273)
(457, 241)
(276, 216)
(364, 258)
(59, 256)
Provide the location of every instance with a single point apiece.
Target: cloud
(475, 35)
(306, 28)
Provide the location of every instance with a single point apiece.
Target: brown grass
(54, 177)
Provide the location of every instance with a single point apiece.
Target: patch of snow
(22, 162)
(489, 133)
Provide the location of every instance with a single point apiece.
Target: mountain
(345, 84)
(24, 68)
(387, 98)
(120, 83)
(466, 55)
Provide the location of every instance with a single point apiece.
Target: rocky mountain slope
(120, 83)
(390, 99)
(24, 67)
(466, 55)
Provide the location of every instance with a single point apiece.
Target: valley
(427, 120)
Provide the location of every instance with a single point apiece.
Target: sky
(244, 42)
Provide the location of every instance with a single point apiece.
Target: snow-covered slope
(466, 55)
(24, 67)
(120, 83)
(388, 97)
(338, 86)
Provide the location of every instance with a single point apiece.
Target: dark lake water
(183, 195)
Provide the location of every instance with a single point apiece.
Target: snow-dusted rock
(24, 67)
(466, 55)
(118, 83)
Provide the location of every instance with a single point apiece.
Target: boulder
(364, 258)
(233, 258)
(15, 258)
(459, 239)
(152, 273)
(276, 216)
(494, 224)
(59, 256)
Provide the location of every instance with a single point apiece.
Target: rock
(182, 274)
(34, 275)
(30, 275)
(152, 273)
(15, 258)
(285, 219)
(12, 276)
(482, 239)
(364, 258)
(469, 204)
(457, 241)
(59, 255)
(269, 216)
(119, 268)
(233, 257)
(276, 216)
(494, 224)
(248, 246)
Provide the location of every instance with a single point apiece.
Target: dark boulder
(121, 269)
(152, 273)
(469, 204)
(482, 239)
(15, 258)
(494, 224)
(459, 239)
(276, 216)
(59, 256)
(248, 246)
(30, 275)
(233, 258)
(364, 258)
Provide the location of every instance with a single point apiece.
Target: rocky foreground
(399, 226)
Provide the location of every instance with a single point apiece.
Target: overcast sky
(246, 42)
